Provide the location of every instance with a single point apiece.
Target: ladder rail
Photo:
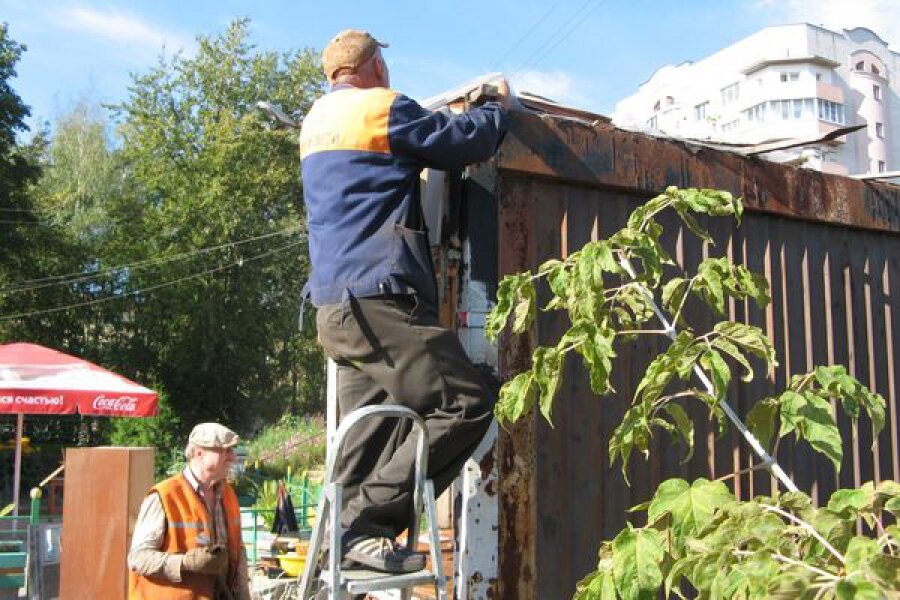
(330, 502)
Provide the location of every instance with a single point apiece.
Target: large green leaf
(599, 585)
(632, 433)
(885, 570)
(691, 505)
(499, 315)
(856, 587)
(637, 556)
(547, 368)
(724, 345)
(665, 367)
(526, 306)
(517, 397)
(713, 362)
(749, 339)
(850, 501)
(810, 417)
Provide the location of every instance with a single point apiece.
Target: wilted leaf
(683, 425)
(762, 419)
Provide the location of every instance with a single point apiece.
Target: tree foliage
(698, 533)
(170, 241)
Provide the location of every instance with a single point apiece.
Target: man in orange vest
(187, 539)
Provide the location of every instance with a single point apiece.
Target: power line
(542, 50)
(570, 32)
(39, 283)
(238, 263)
(524, 36)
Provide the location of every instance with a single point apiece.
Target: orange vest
(186, 518)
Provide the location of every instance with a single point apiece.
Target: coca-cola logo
(120, 404)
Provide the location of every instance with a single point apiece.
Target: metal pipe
(768, 460)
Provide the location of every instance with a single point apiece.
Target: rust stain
(603, 155)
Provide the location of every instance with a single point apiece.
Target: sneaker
(384, 554)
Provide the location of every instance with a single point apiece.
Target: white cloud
(120, 28)
(556, 85)
(881, 16)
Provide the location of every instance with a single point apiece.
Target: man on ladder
(363, 147)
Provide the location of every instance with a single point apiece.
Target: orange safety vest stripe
(186, 518)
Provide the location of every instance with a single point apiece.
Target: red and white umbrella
(38, 380)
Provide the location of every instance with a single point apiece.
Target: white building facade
(790, 81)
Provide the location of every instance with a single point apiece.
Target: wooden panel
(103, 491)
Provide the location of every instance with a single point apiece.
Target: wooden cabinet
(104, 488)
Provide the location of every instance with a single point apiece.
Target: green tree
(206, 173)
(171, 247)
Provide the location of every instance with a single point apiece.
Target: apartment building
(789, 81)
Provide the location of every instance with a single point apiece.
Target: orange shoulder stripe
(349, 119)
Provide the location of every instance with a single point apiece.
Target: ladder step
(358, 581)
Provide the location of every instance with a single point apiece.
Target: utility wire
(239, 263)
(39, 283)
(570, 32)
(542, 50)
(524, 36)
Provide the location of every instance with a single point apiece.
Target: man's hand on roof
(503, 95)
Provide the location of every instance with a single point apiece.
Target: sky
(586, 53)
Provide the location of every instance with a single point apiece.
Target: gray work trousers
(392, 350)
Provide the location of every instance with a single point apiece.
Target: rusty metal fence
(829, 247)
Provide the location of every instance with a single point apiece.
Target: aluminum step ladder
(342, 584)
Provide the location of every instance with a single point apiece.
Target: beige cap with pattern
(349, 49)
(213, 435)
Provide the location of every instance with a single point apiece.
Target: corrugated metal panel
(828, 246)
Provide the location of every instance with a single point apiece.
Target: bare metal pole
(17, 467)
(767, 459)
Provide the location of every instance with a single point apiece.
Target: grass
(293, 443)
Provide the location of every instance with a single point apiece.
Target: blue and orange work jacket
(362, 151)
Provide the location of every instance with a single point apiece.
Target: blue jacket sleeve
(445, 142)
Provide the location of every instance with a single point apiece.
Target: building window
(652, 123)
(879, 130)
(818, 77)
(656, 106)
(860, 66)
(756, 113)
(670, 100)
(881, 166)
(730, 125)
(700, 111)
(792, 76)
(731, 93)
(876, 92)
(875, 70)
(832, 112)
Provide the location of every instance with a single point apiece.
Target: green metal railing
(304, 495)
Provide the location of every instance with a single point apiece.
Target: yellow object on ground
(292, 563)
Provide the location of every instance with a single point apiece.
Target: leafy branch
(779, 547)
(697, 532)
